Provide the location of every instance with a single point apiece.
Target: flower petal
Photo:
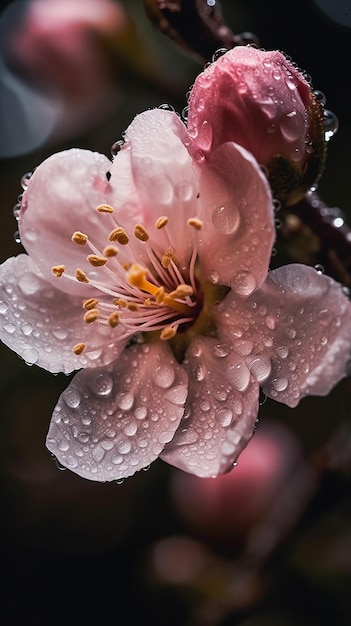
(61, 199)
(220, 412)
(238, 230)
(111, 422)
(295, 332)
(165, 181)
(42, 324)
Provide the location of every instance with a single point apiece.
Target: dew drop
(164, 376)
(226, 219)
(60, 333)
(320, 96)
(25, 180)
(280, 384)
(125, 400)
(101, 384)
(32, 234)
(116, 147)
(239, 376)
(184, 190)
(29, 284)
(71, 397)
(10, 328)
(243, 283)
(261, 368)
(98, 453)
(225, 417)
(3, 307)
(331, 124)
(221, 51)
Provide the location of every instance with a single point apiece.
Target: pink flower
(262, 102)
(154, 283)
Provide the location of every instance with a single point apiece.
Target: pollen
(91, 316)
(79, 238)
(58, 270)
(90, 303)
(140, 232)
(96, 261)
(133, 307)
(105, 208)
(81, 276)
(168, 257)
(120, 235)
(113, 319)
(120, 302)
(195, 222)
(168, 332)
(110, 251)
(78, 348)
(161, 222)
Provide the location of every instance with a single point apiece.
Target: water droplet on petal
(239, 376)
(71, 397)
(225, 417)
(101, 384)
(3, 307)
(10, 328)
(125, 400)
(164, 376)
(226, 218)
(331, 124)
(29, 284)
(243, 283)
(280, 384)
(261, 368)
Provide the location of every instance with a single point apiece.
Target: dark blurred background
(267, 545)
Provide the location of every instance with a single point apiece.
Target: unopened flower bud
(261, 101)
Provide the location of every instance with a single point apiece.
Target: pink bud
(261, 101)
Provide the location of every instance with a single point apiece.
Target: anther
(140, 232)
(105, 208)
(96, 261)
(90, 303)
(167, 259)
(168, 332)
(78, 348)
(182, 291)
(113, 319)
(58, 270)
(133, 307)
(91, 316)
(81, 276)
(110, 251)
(79, 238)
(120, 302)
(195, 222)
(161, 222)
(120, 235)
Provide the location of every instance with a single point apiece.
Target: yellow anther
(58, 270)
(147, 302)
(120, 302)
(168, 257)
(110, 251)
(90, 303)
(140, 232)
(78, 348)
(105, 208)
(182, 291)
(96, 261)
(167, 333)
(195, 222)
(133, 307)
(91, 316)
(81, 276)
(161, 222)
(120, 235)
(79, 238)
(113, 319)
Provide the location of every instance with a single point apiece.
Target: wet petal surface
(111, 422)
(220, 411)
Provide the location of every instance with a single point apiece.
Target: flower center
(140, 284)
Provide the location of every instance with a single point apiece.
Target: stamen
(81, 276)
(132, 306)
(96, 261)
(140, 232)
(105, 208)
(91, 316)
(79, 238)
(161, 222)
(78, 348)
(110, 251)
(168, 332)
(113, 319)
(120, 302)
(120, 235)
(58, 270)
(90, 303)
(181, 292)
(195, 222)
(168, 257)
